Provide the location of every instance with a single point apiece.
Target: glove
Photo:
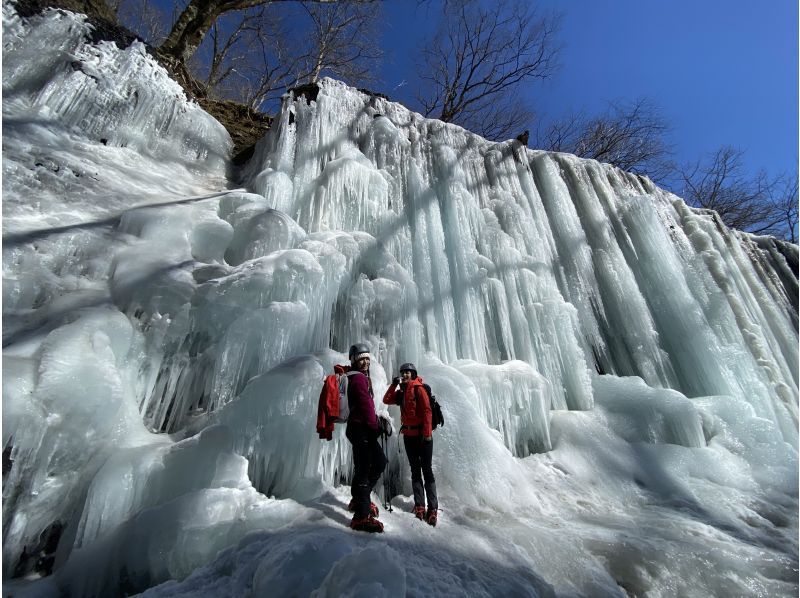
(396, 380)
(385, 425)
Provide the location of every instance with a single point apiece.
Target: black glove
(396, 380)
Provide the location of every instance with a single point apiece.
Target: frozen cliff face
(81, 121)
(503, 253)
(618, 372)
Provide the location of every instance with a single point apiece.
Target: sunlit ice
(617, 371)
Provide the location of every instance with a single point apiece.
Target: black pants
(420, 455)
(368, 461)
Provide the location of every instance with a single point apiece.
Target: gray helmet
(357, 349)
(408, 367)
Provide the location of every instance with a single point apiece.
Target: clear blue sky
(723, 71)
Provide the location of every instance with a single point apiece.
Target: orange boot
(431, 516)
(373, 508)
(366, 524)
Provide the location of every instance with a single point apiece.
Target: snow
(618, 372)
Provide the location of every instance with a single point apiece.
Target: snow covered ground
(618, 373)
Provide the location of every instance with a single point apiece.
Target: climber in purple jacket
(363, 432)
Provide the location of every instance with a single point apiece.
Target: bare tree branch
(252, 56)
(146, 18)
(629, 136)
(758, 204)
(481, 56)
(342, 42)
(246, 57)
(197, 18)
(786, 200)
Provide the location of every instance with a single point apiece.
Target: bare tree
(783, 195)
(199, 16)
(757, 204)
(504, 118)
(629, 136)
(246, 57)
(252, 56)
(484, 55)
(342, 39)
(146, 18)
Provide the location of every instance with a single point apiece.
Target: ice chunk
(257, 233)
(640, 413)
(385, 574)
(514, 400)
(80, 407)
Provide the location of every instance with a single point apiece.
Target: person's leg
(412, 444)
(426, 463)
(360, 488)
(377, 462)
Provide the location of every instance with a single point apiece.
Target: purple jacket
(359, 397)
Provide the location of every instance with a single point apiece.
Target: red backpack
(333, 407)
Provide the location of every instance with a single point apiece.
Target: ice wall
(89, 131)
(504, 253)
(122, 98)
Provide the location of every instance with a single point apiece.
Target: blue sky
(723, 72)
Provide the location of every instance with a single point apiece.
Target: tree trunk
(197, 18)
(94, 9)
(190, 28)
(99, 8)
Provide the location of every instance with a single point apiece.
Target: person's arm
(388, 397)
(427, 414)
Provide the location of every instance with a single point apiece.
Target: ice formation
(618, 372)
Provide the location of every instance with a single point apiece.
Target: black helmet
(357, 349)
(408, 367)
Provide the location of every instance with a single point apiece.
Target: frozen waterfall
(614, 367)
(497, 253)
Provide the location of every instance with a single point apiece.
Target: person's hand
(428, 438)
(396, 380)
(385, 424)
